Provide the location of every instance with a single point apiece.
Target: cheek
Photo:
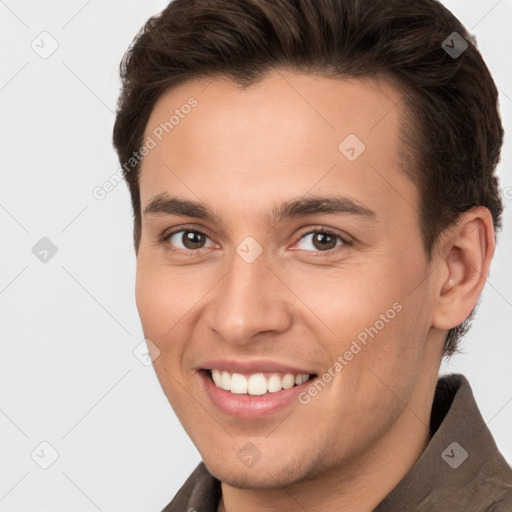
(161, 305)
(371, 313)
(350, 299)
(154, 302)
(163, 296)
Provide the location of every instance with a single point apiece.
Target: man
(315, 209)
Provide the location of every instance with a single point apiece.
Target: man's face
(246, 292)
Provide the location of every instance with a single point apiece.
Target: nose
(250, 300)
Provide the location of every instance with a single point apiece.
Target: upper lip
(254, 366)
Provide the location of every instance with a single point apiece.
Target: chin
(264, 475)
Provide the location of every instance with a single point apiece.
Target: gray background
(68, 373)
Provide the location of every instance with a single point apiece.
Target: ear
(463, 256)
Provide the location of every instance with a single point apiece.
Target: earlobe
(464, 259)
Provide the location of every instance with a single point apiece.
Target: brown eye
(187, 240)
(192, 240)
(320, 240)
(324, 241)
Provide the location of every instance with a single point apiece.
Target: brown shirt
(461, 470)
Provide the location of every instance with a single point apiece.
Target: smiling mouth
(256, 384)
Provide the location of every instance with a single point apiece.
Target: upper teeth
(257, 383)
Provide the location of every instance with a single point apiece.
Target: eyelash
(327, 231)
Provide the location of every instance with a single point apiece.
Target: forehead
(292, 102)
(284, 135)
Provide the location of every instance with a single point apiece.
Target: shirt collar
(461, 455)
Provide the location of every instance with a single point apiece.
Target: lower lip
(251, 406)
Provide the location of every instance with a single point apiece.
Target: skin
(241, 152)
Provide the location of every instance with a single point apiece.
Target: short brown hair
(455, 133)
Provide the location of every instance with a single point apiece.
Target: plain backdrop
(71, 385)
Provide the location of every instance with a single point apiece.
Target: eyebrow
(164, 204)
